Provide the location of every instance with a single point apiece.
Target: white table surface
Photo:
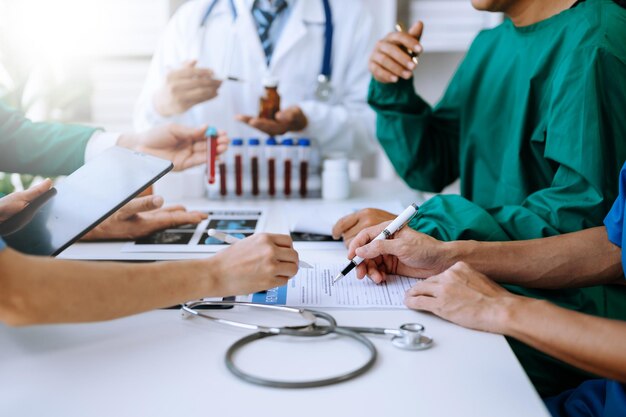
(156, 364)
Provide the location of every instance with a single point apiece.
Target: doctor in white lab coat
(183, 81)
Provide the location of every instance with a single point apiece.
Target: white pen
(230, 239)
(393, 227)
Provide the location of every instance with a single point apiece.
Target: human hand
(184, 88)
(408, 253)
(140, 217)
(389, 61)
(465, 297)
(17, 201)
(348, 226)
(257, 263)
(184, 146)
(292, 119)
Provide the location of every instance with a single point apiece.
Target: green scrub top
(45, 148)
(533, 123)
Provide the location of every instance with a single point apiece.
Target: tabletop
(157, 364)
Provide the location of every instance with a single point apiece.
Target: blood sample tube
(270, 153)
(211, 137)
(223, 179)
(304, 154)
(237, 148)
(253, 153)
(288, 157)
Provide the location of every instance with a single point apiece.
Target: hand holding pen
(396, 56)
(387, 232)
(231, 240)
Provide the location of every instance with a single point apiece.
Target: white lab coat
(344, 123)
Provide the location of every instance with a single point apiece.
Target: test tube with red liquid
(288, 158)
(211, 137)
(253, 153)
(270, 153)
(304, 154)
(237, 148)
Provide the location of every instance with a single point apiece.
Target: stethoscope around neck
(324, 88)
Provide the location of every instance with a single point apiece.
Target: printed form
(314, 287)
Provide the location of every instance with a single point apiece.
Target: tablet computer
(78, 203)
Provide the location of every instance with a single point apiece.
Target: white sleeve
(171, 52)
(347, 124)
(99, 142)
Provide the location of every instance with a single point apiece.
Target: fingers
(394, 61)
(284, 241)
(243, 118)
(364, 237)
(343, 224)
(422, 302)
(139, 205)
(36, 190)
(271, 127)
(405, 40)
(381, 74)
(377, 248)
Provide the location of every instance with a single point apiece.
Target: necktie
(264, 17)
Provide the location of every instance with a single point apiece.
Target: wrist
(128, 140)
(453, 252)
(162, 105)
(511, 314)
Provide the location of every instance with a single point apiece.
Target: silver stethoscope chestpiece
(411, 337)
(324, 88)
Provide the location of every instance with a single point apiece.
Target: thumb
(188, 134)
(376, 248)
(417, 29)
(36, 190)
(139, 205)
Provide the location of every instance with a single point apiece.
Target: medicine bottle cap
(254, 142)
(237, 142)
(304, 142)
(270, 141)
(210, 131)
(270, 82)
(287, 142)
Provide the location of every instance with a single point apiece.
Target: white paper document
(315, 288)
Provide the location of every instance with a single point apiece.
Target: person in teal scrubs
(39, 289)
(459, 290)
(531, 123)
(59, 149)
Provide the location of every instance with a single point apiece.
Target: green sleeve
(40, 148)
(584, 140)
(422, 143)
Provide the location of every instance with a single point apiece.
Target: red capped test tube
(288, 157)
(237, 148)
(270, 153)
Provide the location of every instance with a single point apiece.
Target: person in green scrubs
(533, 125)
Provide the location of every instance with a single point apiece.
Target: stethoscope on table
(324, 88)
(409, 336)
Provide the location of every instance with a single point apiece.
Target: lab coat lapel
(295, 29)
(246, 29)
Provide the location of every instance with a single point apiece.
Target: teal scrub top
(2, 244)
(532, 122)
(45, 148)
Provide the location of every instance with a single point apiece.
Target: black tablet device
(81, 201)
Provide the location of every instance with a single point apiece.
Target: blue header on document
(274, 296)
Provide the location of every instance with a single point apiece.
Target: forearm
(577, 259)
(590, 343)
(421, 143)
(46, 290)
